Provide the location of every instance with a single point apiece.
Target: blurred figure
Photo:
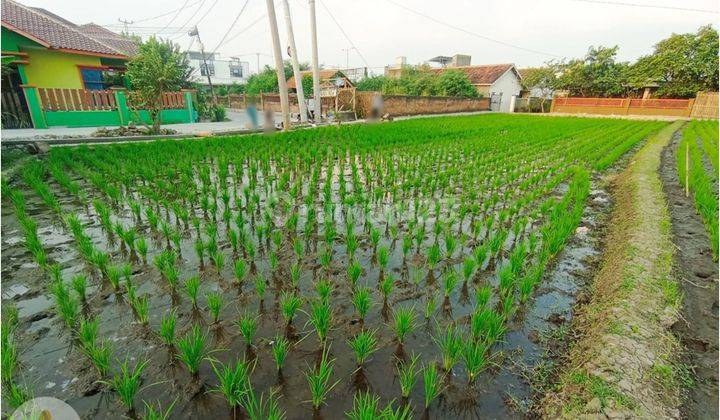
(269, 122)
(376, 111)
(252, 114)
(311, 108)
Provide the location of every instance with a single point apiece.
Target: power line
(352, 44)
(231, 26)
(650, 6)
(176, 14)
(166, 13)
(206, 13)
(486, 38)
(253, 23)
(184, 25)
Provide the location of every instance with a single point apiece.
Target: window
(210, 69)
(236, 71)
(92, 78)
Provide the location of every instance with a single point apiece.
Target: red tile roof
(110, 38)
(483, 74)
(53, 32)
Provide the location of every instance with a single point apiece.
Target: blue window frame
(92, 78)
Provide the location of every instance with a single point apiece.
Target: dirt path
(622, 364)
(698, 275)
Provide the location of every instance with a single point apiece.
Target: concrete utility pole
(315, 66)
(194, 32)
(296, 68)
(125, 24)
(279, 68)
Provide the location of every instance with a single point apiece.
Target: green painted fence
(87, 108)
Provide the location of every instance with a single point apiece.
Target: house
(330, 81)
(51, 52)
(499, 82)
(58, 73)
(222, 72)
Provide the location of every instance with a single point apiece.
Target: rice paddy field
(698, 158)
(404, 268)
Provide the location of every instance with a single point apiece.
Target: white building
(499, 82)
(222, 71)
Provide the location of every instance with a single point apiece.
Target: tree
(287, 68)
(372, 84)
(263, 82)
(681, 65)
(596, 74)
(455, 83)
(307, 84)
(541, 81)
(236, 88)
(158, 67)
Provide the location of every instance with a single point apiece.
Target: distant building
(356, 74)
(500, 82)
(222, 72)
(330, 81)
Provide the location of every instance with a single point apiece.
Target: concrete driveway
(237, 120)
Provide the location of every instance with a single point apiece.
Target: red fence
(623, 106)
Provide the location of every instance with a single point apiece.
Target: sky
(376, 32)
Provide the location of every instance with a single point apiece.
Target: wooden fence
(704, 106)
(172, 100)
(56, 99)
(14, 112)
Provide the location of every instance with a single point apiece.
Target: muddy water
(52, 366)
(697, 274)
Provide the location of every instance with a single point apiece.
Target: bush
(217, 113)
(455, 83)
(236, 89)
(422, 82)
(372, 84)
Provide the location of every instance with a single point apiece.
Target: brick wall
(398, 105)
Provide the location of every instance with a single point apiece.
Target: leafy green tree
(236, 88)
(682, 64)
(158, 67)
(263, 82)
(413, 82)
(596, 74)
(372, 84)
(287, 68)
(307, 84)
(455, 83)
(544, 80)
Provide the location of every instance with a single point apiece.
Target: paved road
(238, 120)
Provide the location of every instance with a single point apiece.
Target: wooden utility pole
(315, 67)
(279, 68)
(296, 67)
